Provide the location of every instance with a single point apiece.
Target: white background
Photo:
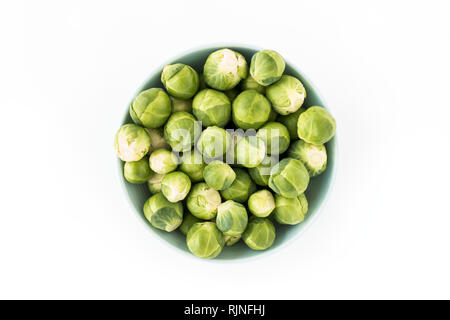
(68, 70)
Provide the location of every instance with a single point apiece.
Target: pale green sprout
(163, 214)
(290, 211)
(175, 186)
(218, 175)
(214, 142)
(260, 234)
(250, 151)
(289, 178)
(250, 84)
(212, 108)
(163, 161)
(137, 171)
(290, 122)
(154, 182)
(204, 240)
(286, 95)
(180, 80)
(181, 131)
(230, 241)
(181, 105)
(203, 201)
(275, 136)
(316, 125)
(241, 188)
(157, 139)
(224, 69)
(261, 203)
(188, 221)
(250, 110)
(151, 108)
(314, 157)
(267, 67)
(261, 173)
(231, 218)
(132, 142)
(193, 165)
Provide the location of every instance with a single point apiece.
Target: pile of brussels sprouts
(227, 152)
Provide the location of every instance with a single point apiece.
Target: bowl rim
(306, 224)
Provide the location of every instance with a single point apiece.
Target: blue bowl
(317, 191)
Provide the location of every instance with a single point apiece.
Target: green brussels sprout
(229, 241)
(151, 108)
(316, 125)
(236, 136)
(175, 186)
(250, 151)
(180, 80)
(290, 122)
(188, 221)
(137, 171)
(231, 218)
(250, 84)
(203, 201)
(290, 210)
(131, 142)
(261, 203)
(204, 240)
(241, 188)
(154, 182)
(218, 175)
(163, 161)
(224, 69)
(157, 139)
(192, 164)
(313, 156)
(163, 214)
(260, 234)
(214, 142)
(286, 95)
(250, 110)
(212, 108)
(179, 105)
(275, 136)
(181, 131)
(267, 67)
(232, 94)
(261, 173)
(289, 178)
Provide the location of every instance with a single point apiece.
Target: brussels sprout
(180, 80)
(188, 221)
(203, 201)
(250, 110)
(261, 203)
(175, 186)
(163, 214)
(250, 84)
(151, 108)
(229, 241)
(290, 210)
(224, 69)
(275, 136)
(316, 125)
(163, 161)
(218, 175)
(241, 188)
(214, 142)
(157, 139)
(250, 151)
(204, 240)
(231, 218)
(314, 157)
(137, 171)
(154, 183)
(131, 142)
(179, 105)
(289, 178)
(232, 94)
(286, 95)
(236, 136)
(181, 131)
(261, 173)
(192, 164)
(267, 67)
(290, 122)
(260, 234)
(212, 108)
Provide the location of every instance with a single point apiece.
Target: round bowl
(317, 192)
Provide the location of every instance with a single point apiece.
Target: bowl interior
(316, 192)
